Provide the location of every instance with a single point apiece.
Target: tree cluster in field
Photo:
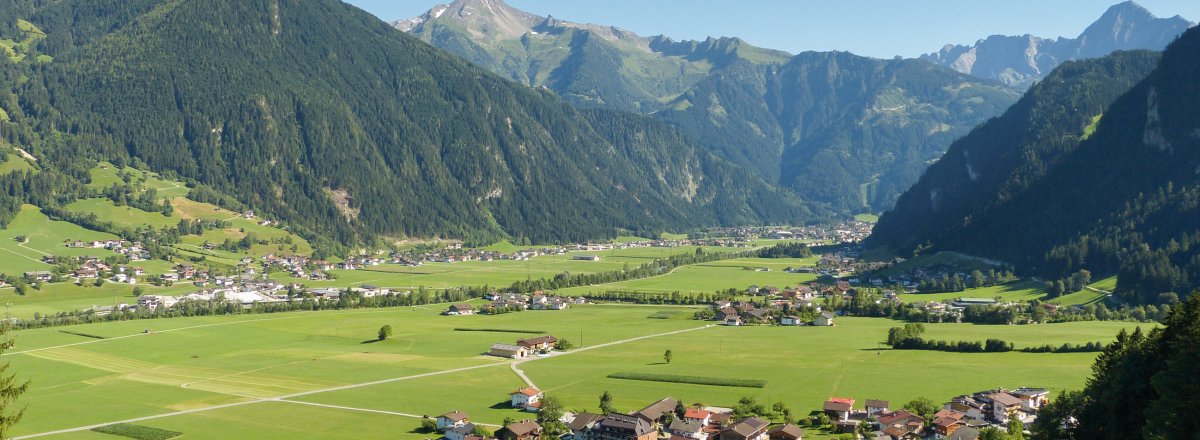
(786, 250)
(128, 195)
(909, 338)
(1074, 283)
(956, 283)
(1142, 386)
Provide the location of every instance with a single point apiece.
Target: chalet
(901, 424)
(843, 286)
(1004, 406)
(452, 419)
(698, 415)
(621, 427)
(460, 309)
(839, 408)
(876, 407)
(725, 312)
(86, 272)
(508, 351)
(538, 298)
(946, 421)
(691, 429)
(732, 320)
(539, 343)
(523, 430)
(460, 432)
(752, 428)
(169, 277)
(528, 397)
(785, 432)
(974, 408)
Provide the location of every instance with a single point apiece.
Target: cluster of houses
(517, 301)
(89, 268)
(842, 232)
(961, 418)
(134, 250)
(245, 293)
(524, 348)
(659, 420)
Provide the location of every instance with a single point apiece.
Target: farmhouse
(1005, 406)
(791, 320)
(785, 432)
(839, 407)
(451, 420)
(752, 428)
(539, 343)
(621, 427)
(508, 351)
(525, 398)
(876, 406)
(38, 275)
(523, 430)
(460, 310)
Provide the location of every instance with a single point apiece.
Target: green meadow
(269, 376)
(738, 273)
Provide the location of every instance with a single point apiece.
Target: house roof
(626, 423)
(528, 391)
(523, 427)
(896, 417)
(946, 421)
(1005, 399)
(538, 340)
(695, 413)
(584, 421)
(455, 415)
(957, 415)
(786, 431)
(657, 409)
(683, 425)
(461, 307)
(462, 429)
(872, 403)
(839, 404)
(507, 347)
(745, 429)
(964, 433)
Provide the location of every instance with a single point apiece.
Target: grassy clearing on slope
(44, 237)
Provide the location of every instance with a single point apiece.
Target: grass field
(105, 175)
(1019, 291)
(45, 237)
(272, 369)
(493, 273)
(717, 275)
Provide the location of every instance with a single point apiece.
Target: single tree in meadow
(385, 332)
(667, 356)
(606, 405)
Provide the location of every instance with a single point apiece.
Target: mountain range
(319, 114)
(1021, 60)
(848, 131)
(1096, 168)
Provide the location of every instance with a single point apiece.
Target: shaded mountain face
(849, 131)
(1020, 60)
(1077, 175)
(324, 116)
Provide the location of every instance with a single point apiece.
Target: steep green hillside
(1027, 187)
(325, 117)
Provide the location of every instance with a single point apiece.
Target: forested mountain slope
(841, 129)
(1047, 188)
(324, 116)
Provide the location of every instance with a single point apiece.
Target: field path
(288, 397)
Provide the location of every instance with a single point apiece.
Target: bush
(137, 432)
(697, 380)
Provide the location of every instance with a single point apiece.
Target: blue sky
(879, 28)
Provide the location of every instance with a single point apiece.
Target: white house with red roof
(528, 397)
